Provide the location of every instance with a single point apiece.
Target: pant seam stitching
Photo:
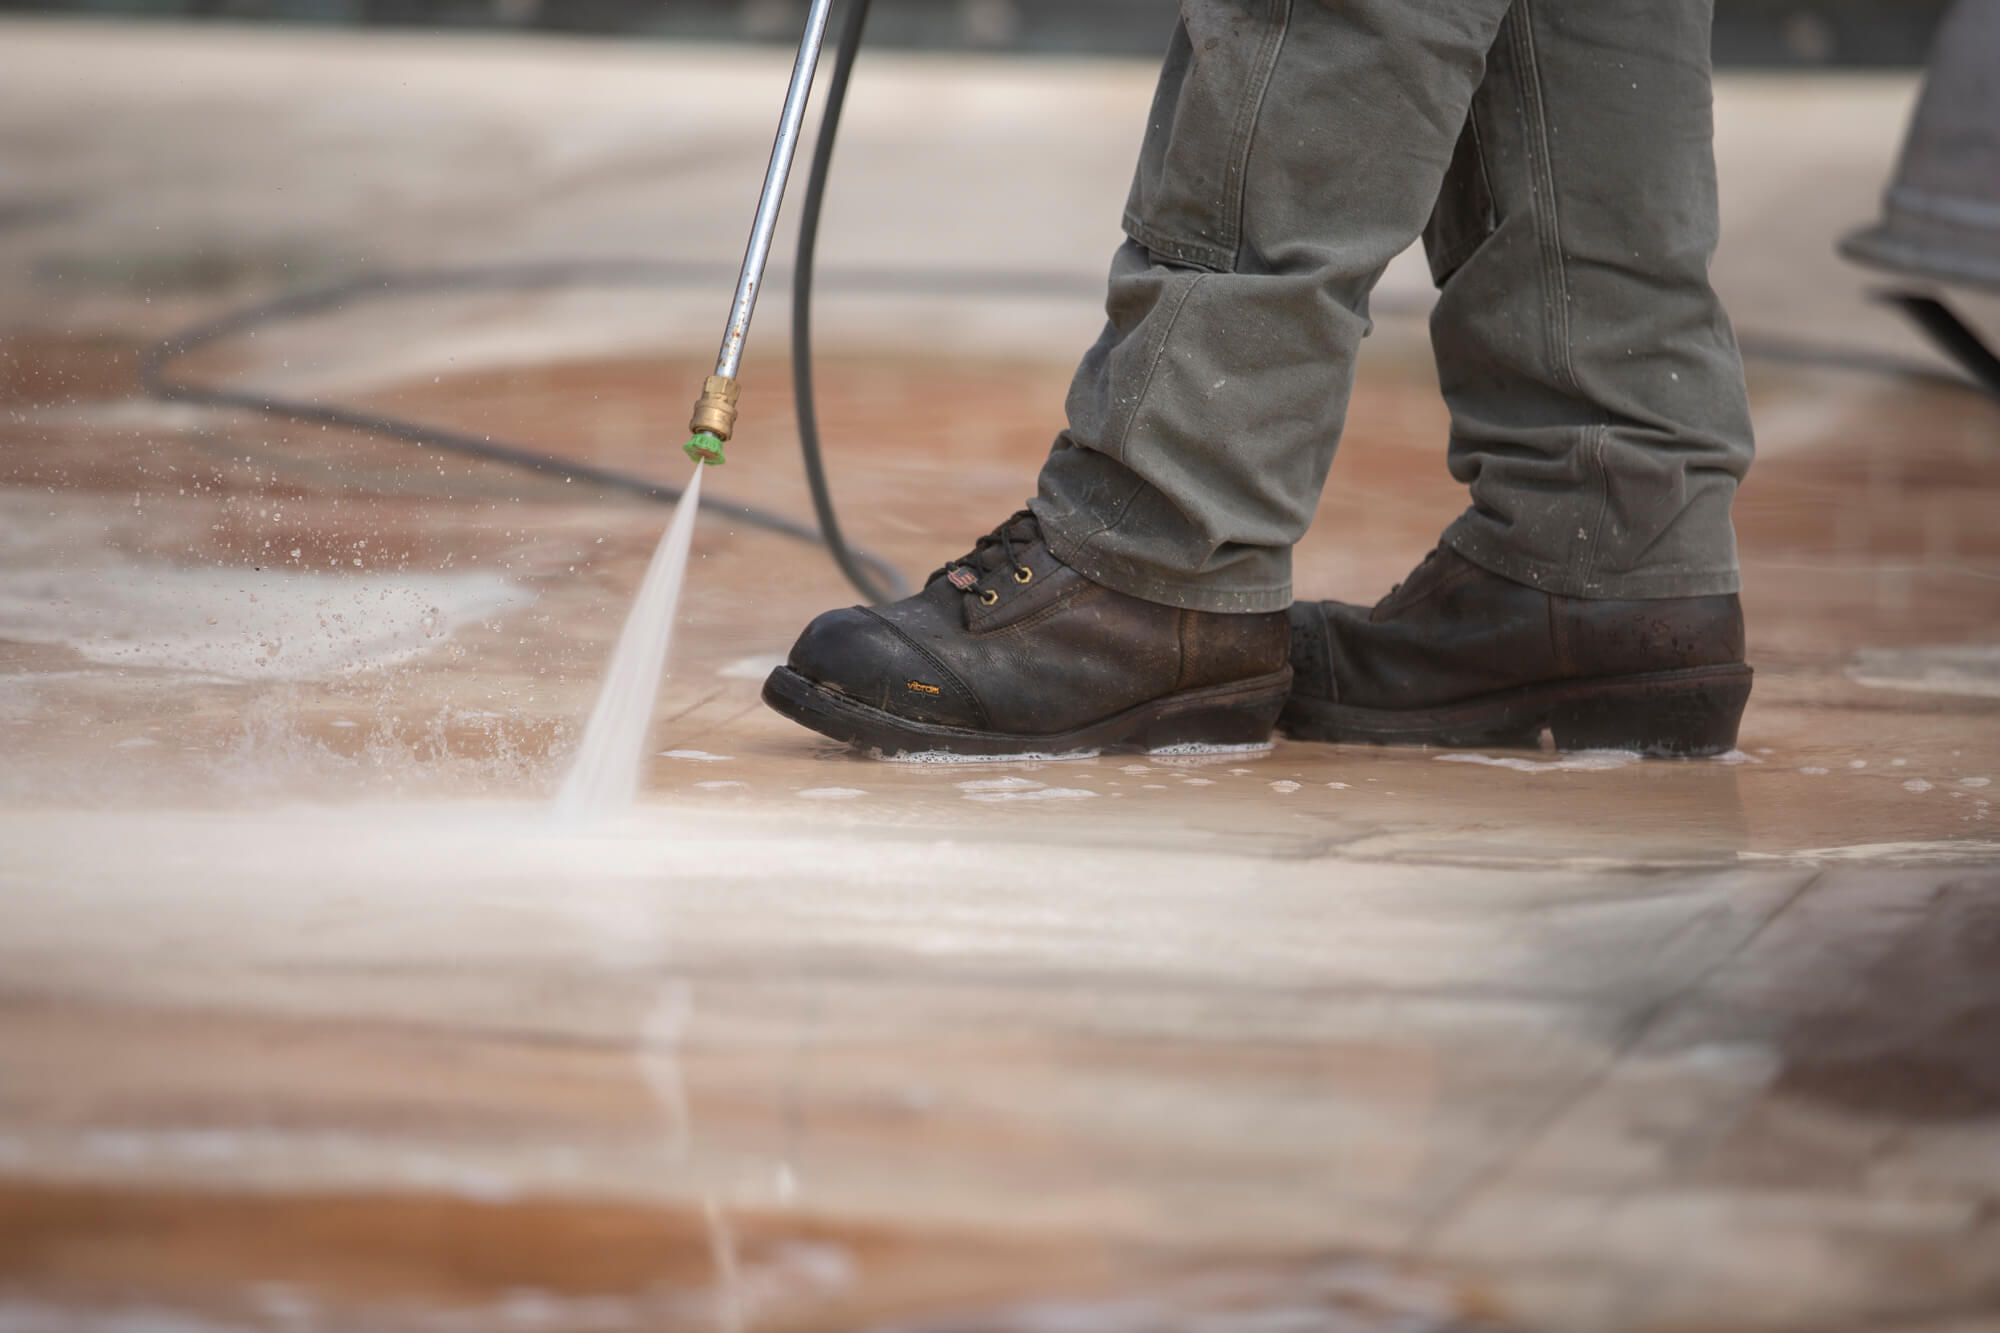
(1541, 175)
(1244, 132)
(1548, 230)
(1594, 460)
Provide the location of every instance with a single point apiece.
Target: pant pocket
(1187, 195)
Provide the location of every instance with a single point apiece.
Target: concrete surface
(309, 1019)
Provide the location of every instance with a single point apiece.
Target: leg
(1598, 415)
(1598, 409)
(1294, 149)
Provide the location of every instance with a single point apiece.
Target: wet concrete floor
(309, 1018)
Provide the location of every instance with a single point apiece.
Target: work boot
(1009, 651)
(1458, 656)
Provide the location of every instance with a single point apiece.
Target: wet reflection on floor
(1314, 1037)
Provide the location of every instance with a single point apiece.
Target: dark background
(1755, 33)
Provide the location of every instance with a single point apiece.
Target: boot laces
(1428, 557)
(995, 549)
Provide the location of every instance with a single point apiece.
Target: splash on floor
(244, 624)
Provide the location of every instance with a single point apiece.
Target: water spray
(714, 417)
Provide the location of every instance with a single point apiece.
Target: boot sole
(1679, 714)
(1240, 713)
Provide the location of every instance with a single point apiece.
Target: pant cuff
(1072, 540)
(1467, 538)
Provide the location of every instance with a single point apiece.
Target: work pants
(1555, 156)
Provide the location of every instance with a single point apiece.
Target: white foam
(1974, 782)
(721, 784)
(831, 793)
(1738, 757)
(1284, 788)
(1583, 761)
(1917, 786)
(946, 757)
(999, 784)
(698, 756)
(1189, 748)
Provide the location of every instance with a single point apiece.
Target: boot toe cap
(857, 653)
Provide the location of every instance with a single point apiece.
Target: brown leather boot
(1009, 651)
(1459, 656)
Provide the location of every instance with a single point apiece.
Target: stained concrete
(309, 1018)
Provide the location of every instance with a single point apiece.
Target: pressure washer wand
(715, 411)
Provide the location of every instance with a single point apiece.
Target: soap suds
(947, 758)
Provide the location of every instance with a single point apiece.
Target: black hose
(802, 289)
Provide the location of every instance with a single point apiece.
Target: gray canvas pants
(1555, 156)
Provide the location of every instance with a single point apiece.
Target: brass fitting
(715, 410)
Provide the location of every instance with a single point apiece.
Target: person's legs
(1597, 399)
(1293, 151)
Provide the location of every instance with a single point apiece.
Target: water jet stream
(603, 781)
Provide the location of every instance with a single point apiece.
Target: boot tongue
(1414, 589)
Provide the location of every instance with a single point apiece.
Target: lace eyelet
(1023, 574)
(988, 597)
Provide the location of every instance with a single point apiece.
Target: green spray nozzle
(706, 448)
